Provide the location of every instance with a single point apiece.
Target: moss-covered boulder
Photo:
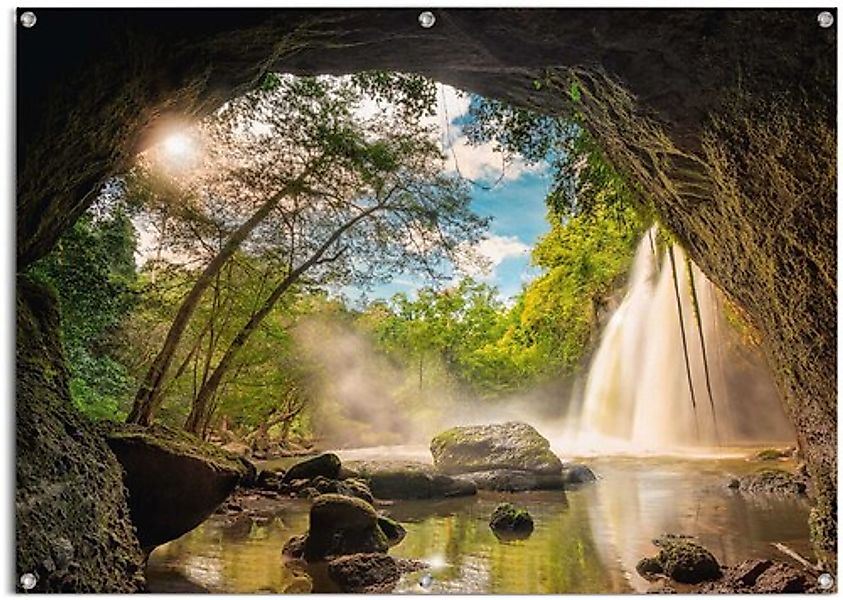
(341, 525)
(411, 481)
(175, 480)
(325, 465)
(770, 481)
(513, 445)
(509, 520)
(72, 525)
(680, 560)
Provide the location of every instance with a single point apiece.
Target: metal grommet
(825, 19)
(825, 581)
(28, 19)
(28, 580)
(427, 19)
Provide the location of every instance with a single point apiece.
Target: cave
(723, 119)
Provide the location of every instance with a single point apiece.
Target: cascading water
(637, 396)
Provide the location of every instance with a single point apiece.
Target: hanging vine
(684, 337)
(698, 319)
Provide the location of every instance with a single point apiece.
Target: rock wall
(724, 119)
(72, 528)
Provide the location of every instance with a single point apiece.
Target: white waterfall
(637, 397)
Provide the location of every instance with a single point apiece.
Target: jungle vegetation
(297, 197)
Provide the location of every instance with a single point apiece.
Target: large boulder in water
(409, 481)
(340, 525)
(681, 560)
(511, 446)
(325, 465)
(175, 480)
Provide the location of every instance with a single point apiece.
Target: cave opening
(723, 166)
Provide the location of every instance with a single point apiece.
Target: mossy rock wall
(723, 119)
(72, 527)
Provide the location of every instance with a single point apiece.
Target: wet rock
(325, 465)
(509, 480)
(356, 488)
(294, 547)
(509, 519)
(368, 573)
(780, 578)
(405, 481)
(269, 480)
(511, 445)
(761, 576)
(342, 525)
(770, 454)
(770, 481)
(393, 530)
(175, 480)
(682, 560)
(649, 568)
(574, 474)
(747, 572)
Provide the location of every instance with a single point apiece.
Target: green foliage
(465, 336)
(265, 379)
(412, 93)
(92, 270)
(583, 179)
(585, 259)
(440, 335)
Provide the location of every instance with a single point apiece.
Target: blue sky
(514, 202)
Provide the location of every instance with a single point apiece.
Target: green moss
(177, 441)
(770, 454)
(71, 514)
(508, 517)
(685, 561)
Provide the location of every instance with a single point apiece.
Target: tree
(93, 272)
(261, 150)
(316, 171)
(400, 214)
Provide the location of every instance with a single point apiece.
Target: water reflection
(585, 541)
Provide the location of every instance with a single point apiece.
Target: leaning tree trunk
(209, 388)
(148, 397)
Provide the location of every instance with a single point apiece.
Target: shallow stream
(586, 540)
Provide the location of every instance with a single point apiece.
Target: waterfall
(636, 395)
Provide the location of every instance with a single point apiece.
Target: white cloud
(483, 258)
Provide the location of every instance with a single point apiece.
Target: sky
(513, 200)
